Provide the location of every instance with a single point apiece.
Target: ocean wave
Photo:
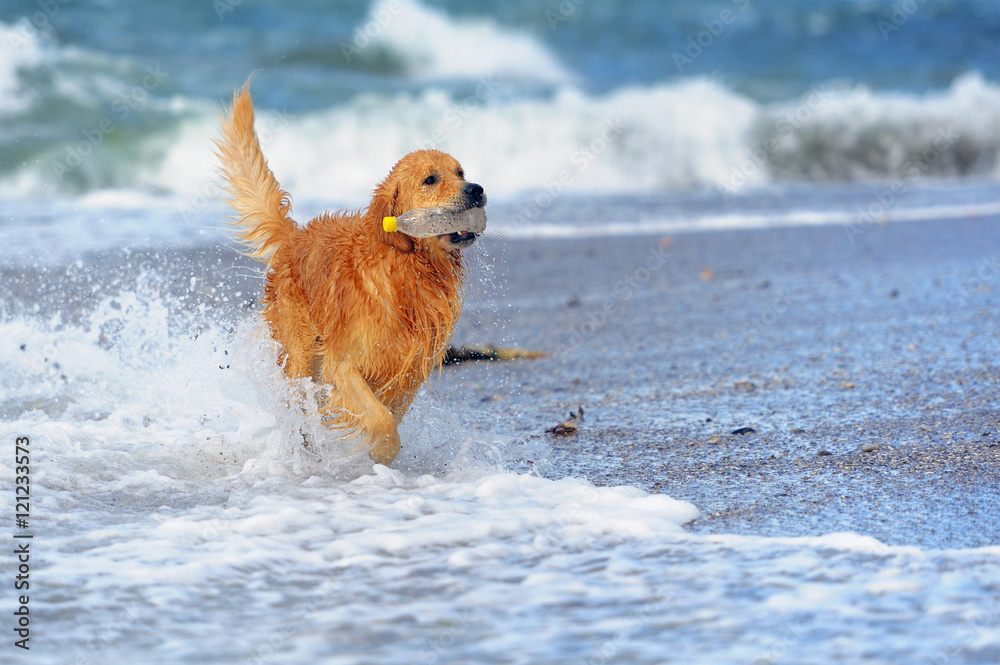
(680, 136)
(859, 134)
(19, 48)
(634, 140)
(102, 127)
(431, 44)
(77, 120)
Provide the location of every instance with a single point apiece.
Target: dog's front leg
(352, 405)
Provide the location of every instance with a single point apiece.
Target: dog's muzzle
(475, 197)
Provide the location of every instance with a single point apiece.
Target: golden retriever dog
(366, 312)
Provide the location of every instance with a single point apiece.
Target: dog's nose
(474, 195)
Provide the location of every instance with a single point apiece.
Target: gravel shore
(865, 366)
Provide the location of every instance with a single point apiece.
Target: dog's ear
(384, 205)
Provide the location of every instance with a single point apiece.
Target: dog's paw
(384, 447)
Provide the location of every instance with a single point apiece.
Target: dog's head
(426, 179)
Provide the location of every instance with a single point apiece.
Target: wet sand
(867, 371)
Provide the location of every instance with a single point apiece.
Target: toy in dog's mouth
(459, 226)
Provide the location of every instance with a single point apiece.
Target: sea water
(177, 515)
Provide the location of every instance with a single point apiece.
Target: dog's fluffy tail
(264, 224)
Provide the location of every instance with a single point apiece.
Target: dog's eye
(431, 179)
(460, 173)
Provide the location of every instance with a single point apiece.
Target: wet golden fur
(367, 312)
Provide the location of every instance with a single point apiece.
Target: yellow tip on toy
(389, 224)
